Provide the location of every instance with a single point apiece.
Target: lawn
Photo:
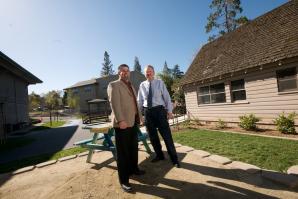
(54, 124)
(48, 125)
(269, 153)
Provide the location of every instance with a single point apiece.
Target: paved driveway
(53, 140)
(48, 141)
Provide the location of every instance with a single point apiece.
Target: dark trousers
(156, 117)
(127, 152)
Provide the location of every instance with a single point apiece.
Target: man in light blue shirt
(155, 102)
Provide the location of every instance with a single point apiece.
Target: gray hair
(149, 66)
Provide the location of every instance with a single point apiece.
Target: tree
(52, 101)
(72, 100)
(137, 66)
(177, 74)
(178, 97)
(34, 101)
(64, 98)
(224, 18)
(107, 66)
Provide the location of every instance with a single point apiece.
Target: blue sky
(63, 41)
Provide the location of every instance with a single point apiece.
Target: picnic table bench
(105, 135)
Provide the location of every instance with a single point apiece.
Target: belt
(154, 107)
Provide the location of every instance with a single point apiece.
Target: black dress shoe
(126, 187)
(177, 165)
(156, 159)
(139, 172)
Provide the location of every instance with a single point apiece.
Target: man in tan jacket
(125, 119)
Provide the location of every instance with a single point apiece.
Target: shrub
(221, 124)
(249, 122)
(186, 123)
(286, 124)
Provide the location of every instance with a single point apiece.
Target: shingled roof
(269, 38)
(17, 70)
(83, 83)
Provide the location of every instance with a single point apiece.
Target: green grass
(269, 153)
(48, 125)
(14, 165)
(13, 143)
(54, 124)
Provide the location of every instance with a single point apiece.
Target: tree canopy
(223, 17)
(137, 65)
(107, 66)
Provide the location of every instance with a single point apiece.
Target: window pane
(237, 85)
(205, 99)
(217, 88)
(286, 73)
(239, 95)
(287, 79)
(287, 85)
(204, 90)
(218, 98)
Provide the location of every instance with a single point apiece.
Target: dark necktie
(149, 100)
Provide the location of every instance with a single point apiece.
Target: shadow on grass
(40, 128)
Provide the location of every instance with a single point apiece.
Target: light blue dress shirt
(160, 94)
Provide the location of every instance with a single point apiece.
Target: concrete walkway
(198, 178)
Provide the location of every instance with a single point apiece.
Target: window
(238, 90)
(287, 79)
(87, 88)
(212, 94)
(75, 91)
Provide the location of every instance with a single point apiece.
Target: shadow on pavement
(156, 172)
(46, 144)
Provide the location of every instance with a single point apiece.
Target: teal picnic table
(102, 140)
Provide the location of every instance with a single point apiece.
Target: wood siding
(262, 99)
(99, 90)
(14, 99)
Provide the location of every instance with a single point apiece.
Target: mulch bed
(268, 132)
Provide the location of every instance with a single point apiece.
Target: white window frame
(210, 94)
(293, 77)
(243, 89)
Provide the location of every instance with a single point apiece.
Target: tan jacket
(122, 103)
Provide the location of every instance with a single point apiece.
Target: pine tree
(64, 98)
(107, 65)
(176, 72)
(224, 18)
(137, 66)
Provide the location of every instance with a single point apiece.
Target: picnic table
(102, 140)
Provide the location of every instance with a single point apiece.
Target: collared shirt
(160, 94)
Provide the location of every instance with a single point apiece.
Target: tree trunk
(51, 117)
